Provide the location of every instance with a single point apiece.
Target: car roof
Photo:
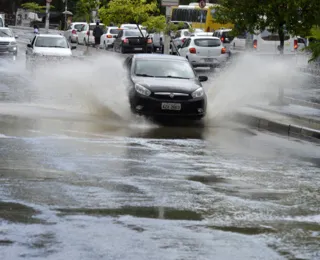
(158, 57)
(50, 35)
(204, 36)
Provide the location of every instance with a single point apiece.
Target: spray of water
(250, 79)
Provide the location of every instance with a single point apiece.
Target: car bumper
(74, 38)
(109, 41)
(208, 61)
(5, 50)
(148, 106)
(138, 48)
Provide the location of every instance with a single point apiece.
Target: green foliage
(295, 16)
(314, 44)
(85, 7)
(34, 7)
(127, 11)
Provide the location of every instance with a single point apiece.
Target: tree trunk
(281, 38)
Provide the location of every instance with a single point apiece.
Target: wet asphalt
(84, 179)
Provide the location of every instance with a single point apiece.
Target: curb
(278, 127)
(302, 102)
(302, 118)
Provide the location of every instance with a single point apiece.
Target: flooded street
(80, 178)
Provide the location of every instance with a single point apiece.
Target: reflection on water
(141, 212)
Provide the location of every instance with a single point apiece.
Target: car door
(184, 49)
(118, 40)
(29, 50)
(83, 33)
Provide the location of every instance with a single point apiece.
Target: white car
(131, 26)
(85, 36)
(204, 51)
(53, 47)
(8, 43)
(109, 36)
(71, 33)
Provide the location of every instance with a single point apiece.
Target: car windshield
(114, 31)
(135, 33)
(6, 33)
(51, 42)
(164, 69)
(207, 42)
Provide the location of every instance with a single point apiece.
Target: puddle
(245, 230)
(140, 212)
(207, 179)
(18, 213)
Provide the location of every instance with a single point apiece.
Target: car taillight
(125, 40)
(149, 41)
(88, 33)
(255, 44)
(109, 36)
(74, 32)
(222, 39)
(295, 44)
(223, 50)
(192, 50)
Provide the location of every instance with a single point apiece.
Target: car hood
(168, 84)
(7, 39)
(52, 51)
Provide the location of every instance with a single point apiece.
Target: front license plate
(171, 106)
(208, 60)
(138, 49)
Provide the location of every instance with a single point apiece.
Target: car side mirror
(203, 78)
(29, 45)
(73, 47)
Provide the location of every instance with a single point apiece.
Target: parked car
(267, 42)
(72, 31)
(47, 47)
(8, 43)
(131, 40)
(109, 36)
(85, 36)
(165, 85)
(204, 51)
(226, 37)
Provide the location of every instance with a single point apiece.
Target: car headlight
(198, 93)
(142, 90)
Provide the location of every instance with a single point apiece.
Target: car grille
(4, 43)
(171, 96)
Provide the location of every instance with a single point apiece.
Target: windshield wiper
(144, 75)
(173, 77)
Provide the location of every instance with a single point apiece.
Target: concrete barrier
(278, 127)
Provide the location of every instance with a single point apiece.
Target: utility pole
(168, 4)
(47, 15)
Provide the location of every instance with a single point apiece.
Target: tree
(128, 11)
(279, 16)
(314, 44)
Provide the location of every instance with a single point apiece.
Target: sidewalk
(291, 120)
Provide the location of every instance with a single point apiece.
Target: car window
(114, 31)
(51, 42)
(269, 36)
(186, 33)
(207, 42)
(163, 68)
(6, 33)
(78, 27)
(135, 33)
